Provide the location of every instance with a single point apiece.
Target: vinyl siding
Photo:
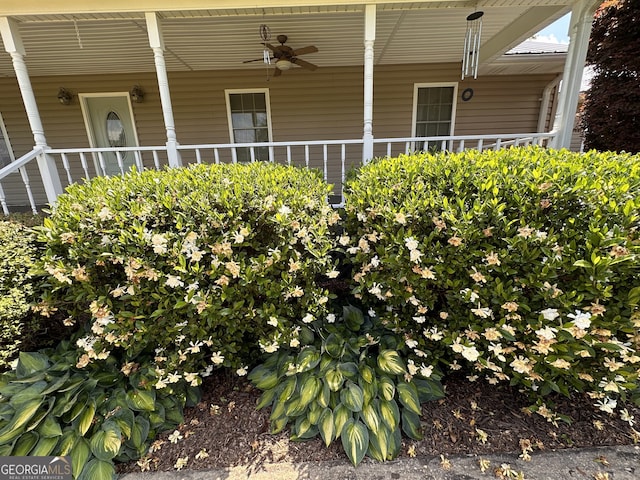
(323, 105)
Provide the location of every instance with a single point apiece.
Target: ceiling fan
(286, 57)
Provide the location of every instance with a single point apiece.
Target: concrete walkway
(604, 463)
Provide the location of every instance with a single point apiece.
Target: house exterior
(90, 89)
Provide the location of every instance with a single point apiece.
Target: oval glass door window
(116, 135)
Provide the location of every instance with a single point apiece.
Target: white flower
(426, 371)
(344, 240)
(181, 462)
(550, 314)
(411, 343)
(217, 358)
(470, 353)
(308, 318)
(415, 255)
(482, 312)
(411, 243)
(333, 274)
(607, 405)
(173, 281)
(411, 366)
(105, 214)
(331, 318)
(371, 312)
(420, 319)
(581, 319)
(294, 343)
(284, 210)
(273, 321)
(375, 262)
(548, 333)
(175, 436)
(241, 372)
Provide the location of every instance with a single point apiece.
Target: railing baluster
(388, 149)
(288, 154)
(498, 143)
(65, 164)
(407, 146)
(461, 146)
(343, 173)
(306, 155)
(27, 185)
(85, 167)
(3, 202)
(252, 154)
(324, 161)
(271, 154)
(480, 145)
(216, 156)
(198, 156)
(138, 159)
(102, 164)
(120, 162)
(234, 155)
(156, 160)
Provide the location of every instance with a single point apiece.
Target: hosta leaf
(340, 416)
(294, 407)
(367, 373)
(371, 417)
(44, 447)
(314, 413)
(387, 388)
(379, 444)
(395, 443)
(408, 395)
(86, 417)
(352, 397)
(326, 426)
(308, 359)
(31, 362)
(15, 426)
(390, 413)
(369, 390)
(288, 387)
(278, 424)
(27, 394)
(124, 418)
(49, 428)
(79, 455)
(302, 428)
(266, 398)
(324, 396)
(428, 389)
(67, 441)
(24, 444)
(98, 470)
(309, 390)
(56, 384)
(142, 400)
(334, 379)
(355, 440)
(389, 361)
(333, 345)
(140, 431)
(105, 443)
(348, 369)
(411, 424)
(352, 317)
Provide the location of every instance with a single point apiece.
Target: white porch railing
(334, 158)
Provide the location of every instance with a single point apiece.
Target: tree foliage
(611, 115)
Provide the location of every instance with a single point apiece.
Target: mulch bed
(227, 425)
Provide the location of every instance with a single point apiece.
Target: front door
(110, 123)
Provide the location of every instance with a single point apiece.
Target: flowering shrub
(201, 266)
(520, 265)
(17, 254)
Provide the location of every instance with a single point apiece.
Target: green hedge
(17, 254)
(520, 264)
(201, 264)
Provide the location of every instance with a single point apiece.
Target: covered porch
(188, 65)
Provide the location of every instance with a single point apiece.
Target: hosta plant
(95, 416)
(354, 383)
(519, 265)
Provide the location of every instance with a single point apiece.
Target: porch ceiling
(220, 39)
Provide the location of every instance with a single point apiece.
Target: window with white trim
(434, 108)
(6, 152)
(249, 117)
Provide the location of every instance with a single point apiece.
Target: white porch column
(156, 42)
(369, 39)
(580, 31)
(46, 164)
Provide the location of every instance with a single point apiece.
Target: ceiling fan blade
(255, 60)
(303, 50)
(303, 64)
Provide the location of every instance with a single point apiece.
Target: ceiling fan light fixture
(283, 64)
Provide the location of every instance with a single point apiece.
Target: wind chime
(471, 51)
(265, 36)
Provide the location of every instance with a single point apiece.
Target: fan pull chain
(75, 24)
